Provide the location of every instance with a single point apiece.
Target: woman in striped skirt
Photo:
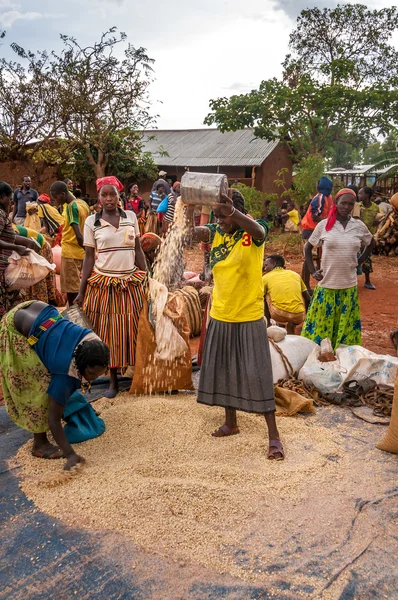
(114, 273)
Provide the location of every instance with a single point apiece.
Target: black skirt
(236, 367)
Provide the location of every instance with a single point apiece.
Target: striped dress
(115, 290)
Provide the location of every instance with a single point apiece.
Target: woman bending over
(43, 359)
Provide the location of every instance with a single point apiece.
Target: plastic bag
(276, 333)
(296, 349)
(24, 271)
(325, 376)
(163, 206)
(32, 220)
(360, 363)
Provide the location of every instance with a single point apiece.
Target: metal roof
(360, 170)
(207, 148)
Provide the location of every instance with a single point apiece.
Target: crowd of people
(107, 252)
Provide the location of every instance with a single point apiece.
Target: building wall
(267, 173)
(12, 173)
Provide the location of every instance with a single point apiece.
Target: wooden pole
(253, 175)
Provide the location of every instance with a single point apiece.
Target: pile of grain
(169, 264)
(159, 477)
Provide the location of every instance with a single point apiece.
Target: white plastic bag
(24, 271)
(360, 363)
(325, 376)
(169, 344)
(296, 349)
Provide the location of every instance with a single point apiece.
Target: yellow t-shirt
(236, 262)
(294, 216)
(285, 289)
(75, 212)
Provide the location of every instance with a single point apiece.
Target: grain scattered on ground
(157, 476)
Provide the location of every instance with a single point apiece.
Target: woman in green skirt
(334, 310)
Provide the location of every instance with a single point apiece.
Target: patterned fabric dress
(334, 314)
(34, 368)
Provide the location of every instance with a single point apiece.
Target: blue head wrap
(325, 186)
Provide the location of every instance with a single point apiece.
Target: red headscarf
(44, 198)
(332, 217)
(110, 180)
(175, 184)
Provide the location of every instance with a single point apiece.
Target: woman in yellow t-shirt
(236, 371)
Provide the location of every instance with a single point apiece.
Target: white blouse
(340, 248)
(115, 248)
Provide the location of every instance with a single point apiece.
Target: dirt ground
(378, 307)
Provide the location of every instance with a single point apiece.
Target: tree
(25, 112)
(121, 160)
(93, 101)
(349, 44)
(323, 98)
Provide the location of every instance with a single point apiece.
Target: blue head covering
(325, 186)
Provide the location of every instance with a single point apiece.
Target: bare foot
(225, 431)
(47, 451)
(111, 392)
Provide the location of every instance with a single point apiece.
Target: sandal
(50, 453)
(356, 388)
(225, 431)
(351, 388)
(275, 448)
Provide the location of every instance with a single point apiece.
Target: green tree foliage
(348, 45)
(136, 165)
(329, 92)
(93, 101)
(307, 172)
(254, 199)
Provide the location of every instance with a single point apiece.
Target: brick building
(237, 154)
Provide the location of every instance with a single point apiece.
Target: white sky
(214, 48)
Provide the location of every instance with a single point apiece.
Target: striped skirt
(236, 369)
(113, 306)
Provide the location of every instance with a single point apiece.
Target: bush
(254, 200)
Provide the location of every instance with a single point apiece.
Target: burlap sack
(192, 308)
(153, 375)
(289, 403)
(389, 443)
(151, 225)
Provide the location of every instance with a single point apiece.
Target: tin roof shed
(207, 148)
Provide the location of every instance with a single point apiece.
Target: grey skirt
(236, 369)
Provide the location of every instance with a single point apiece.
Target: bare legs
(113, 389)
(71, 298)
(230, 427)
(43, 449)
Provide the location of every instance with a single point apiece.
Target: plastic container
(203, 188)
